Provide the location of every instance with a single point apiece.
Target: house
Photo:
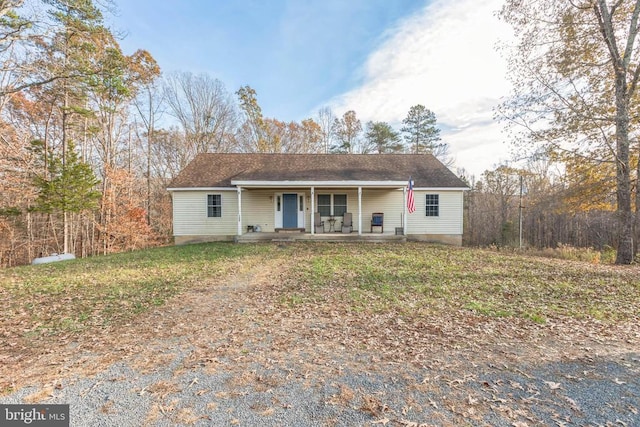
(230, 196)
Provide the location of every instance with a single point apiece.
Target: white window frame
(332, 204)
(429, 207)
(212, 206)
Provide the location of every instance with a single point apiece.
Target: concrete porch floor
(287, 236)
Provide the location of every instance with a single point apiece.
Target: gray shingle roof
(219, 169)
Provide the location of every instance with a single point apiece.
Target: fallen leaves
(237, 321)
(553, 385)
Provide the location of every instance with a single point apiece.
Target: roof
(222, 169)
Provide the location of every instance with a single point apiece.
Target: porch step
(283, 240)
(290, 230)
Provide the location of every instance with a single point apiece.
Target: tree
(252, 134)
(204, 109)
(346, 132)
(575, 70)
(325, 121)
(420, 130)
(12, 29)
(68, 187)
(148, 105)
(381, 137)
(67, 59)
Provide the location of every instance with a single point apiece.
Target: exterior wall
(449, 220)
(389, 202)
(258, 209)
(190, 214)
(191, 224)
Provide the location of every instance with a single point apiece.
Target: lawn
(420, 280)
(461, 328)
(407, 280)
(71, 296)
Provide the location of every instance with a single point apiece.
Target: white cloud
(444, 58)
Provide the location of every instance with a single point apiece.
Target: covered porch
(316, 211)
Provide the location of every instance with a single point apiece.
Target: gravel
(593, 391)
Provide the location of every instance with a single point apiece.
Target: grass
(416, 279)
(73, 295)
(409, 280)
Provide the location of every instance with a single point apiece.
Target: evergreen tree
(420, 130)
(381, 138)
(68, 187)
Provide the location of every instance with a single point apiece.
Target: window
(339, 204)
(301, 204)
(324, 204)
(332, 204)
(214, 205)
(433, 203)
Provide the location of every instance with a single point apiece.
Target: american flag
(411, 204)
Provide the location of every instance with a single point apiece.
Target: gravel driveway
(227, 353)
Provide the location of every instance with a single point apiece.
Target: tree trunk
(626, 217)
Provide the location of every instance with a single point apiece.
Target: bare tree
(575, 69)
(325, 121)
(346, 131)
(204, 109)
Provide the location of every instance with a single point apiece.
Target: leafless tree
(205, 110)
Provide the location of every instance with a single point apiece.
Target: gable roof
(222, 169)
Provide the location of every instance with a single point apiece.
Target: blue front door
(290, 211)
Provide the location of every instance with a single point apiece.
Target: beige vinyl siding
(258, 209)
(449, 220)
(389, 202)
(190, 214)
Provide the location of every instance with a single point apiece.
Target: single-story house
(223, 196)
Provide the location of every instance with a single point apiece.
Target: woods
(90, 135)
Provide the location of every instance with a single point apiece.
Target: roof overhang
(202, 189)
(441, 188)
(324, 184)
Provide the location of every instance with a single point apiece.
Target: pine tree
(382, 138)
(68, 186)
(420, 130)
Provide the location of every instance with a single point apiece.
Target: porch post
(359, 211)
(239, 211)
(313, 210)
(404, 216)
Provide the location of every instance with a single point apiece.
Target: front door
(290, 211)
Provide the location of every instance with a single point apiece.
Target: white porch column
(359, 211)
(313, 210)
(239, 211)
(405, 219)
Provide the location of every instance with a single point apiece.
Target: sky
(376, 57)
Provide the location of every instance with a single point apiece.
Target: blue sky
(377, 57)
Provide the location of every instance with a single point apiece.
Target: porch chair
(347, 223)
(377, 220)
(318, 223)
